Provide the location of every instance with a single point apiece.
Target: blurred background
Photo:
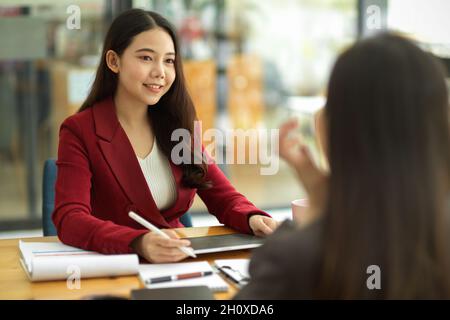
(248, 64)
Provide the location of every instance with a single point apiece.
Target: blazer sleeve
(229, 206)
(75, 224)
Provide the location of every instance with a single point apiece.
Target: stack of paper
(44, 261)
(213, 281)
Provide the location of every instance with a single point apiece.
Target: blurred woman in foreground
(382, 212)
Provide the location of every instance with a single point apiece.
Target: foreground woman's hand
(297, 155)
(156, 249)
(262, 225)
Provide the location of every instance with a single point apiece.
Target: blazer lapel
(119, 154)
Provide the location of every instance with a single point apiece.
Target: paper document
(234, 269)
(214, 281)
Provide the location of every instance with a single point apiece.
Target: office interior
(249, 64)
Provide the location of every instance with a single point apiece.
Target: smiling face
(146, 69)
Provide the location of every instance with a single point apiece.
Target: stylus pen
(178, 277)
(154, 229)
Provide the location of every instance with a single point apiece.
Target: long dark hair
(387, 116)
(175, 110)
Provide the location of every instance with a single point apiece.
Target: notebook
(234, 269)
(227, 242)
(214, 281)
(43, 261)
(183, 293)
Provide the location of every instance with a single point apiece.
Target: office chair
(48, 197)
(48, 201)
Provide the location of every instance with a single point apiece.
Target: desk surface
(14, 283)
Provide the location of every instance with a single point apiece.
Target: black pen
(178, 277)
(234, 275)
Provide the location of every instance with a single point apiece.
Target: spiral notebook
(214, 281)
(234, 269)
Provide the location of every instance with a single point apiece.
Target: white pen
(151, 227)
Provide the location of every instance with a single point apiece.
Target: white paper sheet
(214, 281)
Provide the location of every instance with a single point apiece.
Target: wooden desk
(14, 283)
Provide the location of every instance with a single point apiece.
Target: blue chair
(186, 220)
(48, 194)
(48, 201)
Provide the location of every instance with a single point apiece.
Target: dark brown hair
(175, 110)
(387, 116)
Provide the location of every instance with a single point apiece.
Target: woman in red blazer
(137, 100)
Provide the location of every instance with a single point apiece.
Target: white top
(159, 177)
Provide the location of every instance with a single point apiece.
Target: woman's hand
(297, 155)
(156, 249)
(262, 225)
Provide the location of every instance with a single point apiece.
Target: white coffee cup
(299, 207)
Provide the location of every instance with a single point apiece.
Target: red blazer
(99, 181)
